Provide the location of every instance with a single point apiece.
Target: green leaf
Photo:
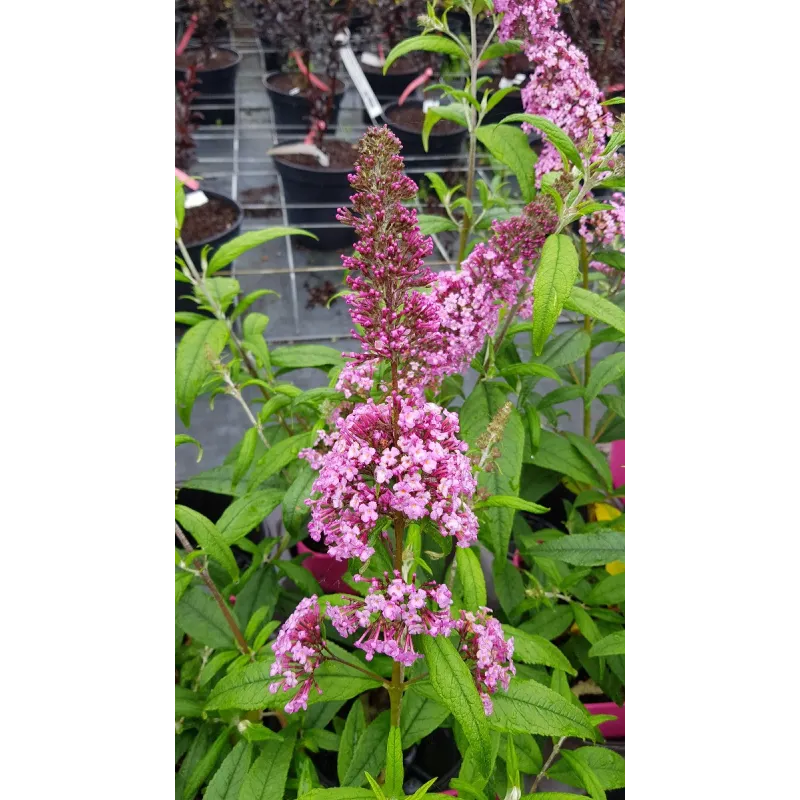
(197, 750)
(557, 137)
(423, 791)
(245, 690)
(180, 211)
(432, 223)
(432, 43)
(306, 355)
(607, 371)
(592, 305)
(608, 592)
(341, 793)
(613, 402)
(182, 438)
(557, 453)
(453, 112)
(611, 645)
(534, 428)
(204, 767)
(245, 455)
(471, 584)
(394, 764)
(256, 732)
(300, 576)
(485, 400)
(295, 509)
(248, 301)
(266, 779)
(370, 752)
(550, 622)
(529, 707)
(199, 616)
(561, 395)
(215, 664)
(500, 49)
(613, 258)
(596, 460)
(231, 250)
(530, 368)
(555, 277)
(182, 581)
(419, 717)
(340, 682)
(565, 349)
(586, 550)
(510, 146)
(548, 796)
(451, 679)
(279, 456)
(354, 727)
(227, 782)
(587, 777)
(510, 501)
(245, 513)
(261, 590)
(529, 755)
(187, 703)
(532, 649)
(192, 364)
(607, 766)
(208, 537)
(375, 786)
(189, 318)
(586, 625)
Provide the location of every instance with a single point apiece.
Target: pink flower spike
(298, 653)
(392, 612)
(489, 654)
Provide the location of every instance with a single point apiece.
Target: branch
(212, 587)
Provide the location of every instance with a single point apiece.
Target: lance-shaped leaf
(453, 682)
(555, 277)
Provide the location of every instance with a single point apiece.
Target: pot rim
(267, 75)
(432, 134)
(216, 69)
(238, 223)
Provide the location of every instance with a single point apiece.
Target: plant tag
(371, 104)
(195, 200)
(187, 35)
(302, 149)
(186, 180)
(426, 104)
(517, 80)
(372, 60)
(294, 91)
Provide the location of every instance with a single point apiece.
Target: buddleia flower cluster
(561, 88)
(398, 459)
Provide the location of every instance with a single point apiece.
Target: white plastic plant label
(426, 104)
(195, 199)
(371, 104)
(302, 149)
(517, 80)
(372, 60)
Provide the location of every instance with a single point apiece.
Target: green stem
(587, 359)
(396, 686)
(212, 587)
(466, 222)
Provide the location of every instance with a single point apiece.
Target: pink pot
(327, 570)
(617, 463)
(614, 729)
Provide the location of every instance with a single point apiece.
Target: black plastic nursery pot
(228, 209)
(306, 184)
(389, 87)
(290, 104)
(273, 58)
(436, 756)
(217, 85)
(445, 141)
